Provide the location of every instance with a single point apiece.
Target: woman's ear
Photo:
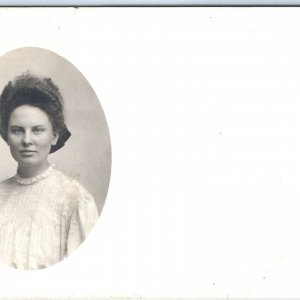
(55, 138)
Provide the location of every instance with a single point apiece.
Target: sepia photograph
(55, 154)
(149, 153)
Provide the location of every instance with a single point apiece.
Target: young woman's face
(30, 136)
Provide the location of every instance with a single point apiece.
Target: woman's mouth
(27, 153)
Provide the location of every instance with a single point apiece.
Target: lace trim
(31, 180)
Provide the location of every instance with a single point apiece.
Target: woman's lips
(27, 152)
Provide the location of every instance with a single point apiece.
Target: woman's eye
(16, 130)
(37, 130)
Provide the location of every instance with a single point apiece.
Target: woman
(44, 215)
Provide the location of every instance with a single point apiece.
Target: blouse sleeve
(82, 220)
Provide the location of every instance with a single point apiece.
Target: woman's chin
(28, 162)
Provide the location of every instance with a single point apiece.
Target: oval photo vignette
(84, 160)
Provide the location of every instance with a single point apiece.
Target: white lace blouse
(43, 219)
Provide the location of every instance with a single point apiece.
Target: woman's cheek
(14, 141)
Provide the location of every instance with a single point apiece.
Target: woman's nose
(27, 138)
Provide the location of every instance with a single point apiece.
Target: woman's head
(25, 104)
(31, 90)
(30, 137)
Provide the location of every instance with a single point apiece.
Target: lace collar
(31, 180)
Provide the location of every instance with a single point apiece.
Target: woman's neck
(32, 171)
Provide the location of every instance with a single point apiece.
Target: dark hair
(35, 91)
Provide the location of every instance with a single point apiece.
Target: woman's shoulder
(7, 182)
(70, 183)
(73, 189)
(7, 186)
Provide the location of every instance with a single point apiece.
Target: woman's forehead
(28, 115)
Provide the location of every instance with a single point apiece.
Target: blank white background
(203, 107)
